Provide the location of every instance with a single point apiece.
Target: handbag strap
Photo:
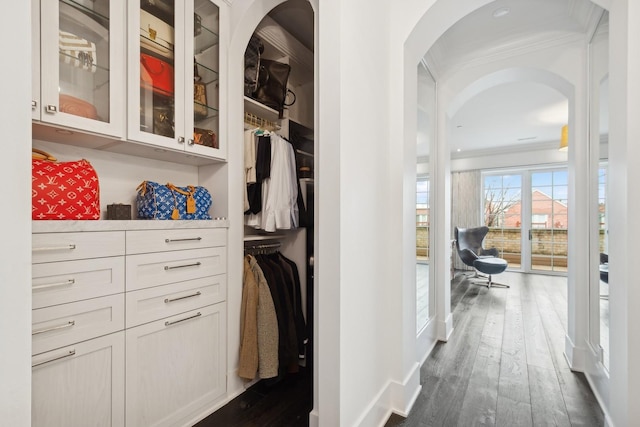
(42, 155)
(191, 188)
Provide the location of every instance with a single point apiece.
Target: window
(422, 219)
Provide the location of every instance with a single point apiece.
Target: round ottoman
(491, 265)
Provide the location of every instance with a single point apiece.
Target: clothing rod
(262, 245)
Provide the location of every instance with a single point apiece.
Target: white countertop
(46, 226)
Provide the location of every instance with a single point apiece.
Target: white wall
(15, 272)
(624, 158)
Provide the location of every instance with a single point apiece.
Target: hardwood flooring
(504, 363)
(286, 403)
(503, 366)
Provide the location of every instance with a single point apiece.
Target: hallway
(504, 363)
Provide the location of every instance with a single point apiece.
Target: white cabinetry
(78, 318)
(174, 53)
(176, 367)
(80, 385)
(81, 67)
(170, 286)
(176, 319)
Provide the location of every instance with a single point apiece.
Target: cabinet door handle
(34, 104)
(181, 139)
(168, 300)
(52, 109)
(54, 248)
(183, 240)
(70, 353)
(190, 141)
(169, 267)
(167, 323)
(53, 285)
(69, 324)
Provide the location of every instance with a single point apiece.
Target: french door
(526, 212)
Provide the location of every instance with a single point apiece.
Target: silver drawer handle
(54, 248)
(70, 353)
(54, 328)
(168, 300)
(182, 240)
(167, 323)
(53, 285)
(168, 267)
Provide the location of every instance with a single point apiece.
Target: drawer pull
(54, 328)
(196, 264)
(168, 300)
(53, 285)
(54, 248)
(70, 353)
(183, 240)
(167, 323)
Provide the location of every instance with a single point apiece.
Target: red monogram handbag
(63, 190)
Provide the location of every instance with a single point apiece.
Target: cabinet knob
(190, 141)
(34, 104)
(181, 139)
(52, 109)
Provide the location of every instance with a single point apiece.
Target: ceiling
(512, 115)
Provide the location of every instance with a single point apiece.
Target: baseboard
(598, 380)
(445, 328)
(575, 356)
(394, 397)
(314, 419)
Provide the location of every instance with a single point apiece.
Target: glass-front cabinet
(82, 67)
(173, 94)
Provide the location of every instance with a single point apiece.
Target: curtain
(466, 206)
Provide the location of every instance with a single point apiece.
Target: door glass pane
(83, 41)
(157, 82)
(503, 216)
(422, 252)
(549, 220)
(205, 71)
(604, 264)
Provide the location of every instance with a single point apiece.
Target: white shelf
(254, 107)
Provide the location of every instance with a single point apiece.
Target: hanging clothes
(249, 164)
(280, 194)
(259, 344)
(273, 329)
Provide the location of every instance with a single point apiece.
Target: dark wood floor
(282, 404)
(504, 363)
(503, 366)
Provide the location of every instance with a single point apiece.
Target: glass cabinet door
(81, 74)
(175, 65)
(205, 88)
(157, 61)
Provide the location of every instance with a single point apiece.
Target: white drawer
(146, 270)
(147, 305)
(146, 241)
(66, 324)
(48, 247)
(68, 281)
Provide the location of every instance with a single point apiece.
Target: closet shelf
(262, 237)
(260, 110)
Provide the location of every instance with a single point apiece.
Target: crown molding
(517, 48)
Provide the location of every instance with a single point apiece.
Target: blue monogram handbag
(157, 201)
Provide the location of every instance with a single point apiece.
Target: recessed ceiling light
(458, 150)
(499, 13)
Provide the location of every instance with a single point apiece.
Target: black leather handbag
(272, 85)
(252, 65)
